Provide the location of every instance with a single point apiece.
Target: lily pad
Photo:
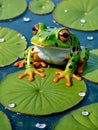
(85, 118)
(12, 45)
(4, 122)
(91, 68)
(42, 96)
(11, 8)
(41, 6)
(77, 14)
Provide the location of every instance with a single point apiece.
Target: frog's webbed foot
(38, 63)
(20, 64)
(31, 72)
(62, 74)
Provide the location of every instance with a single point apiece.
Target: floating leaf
(4, 122)
(12, 46)
(77, 14)
(11, 8)
(41, 96)
(77, 120)
(91, 68)
(41, 6)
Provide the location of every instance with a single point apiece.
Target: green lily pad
(41, 6)
(85, 118)
(12, 45)
(42, 96)
(11, 8)
(91, 68)
(4, 122)
(77, 14)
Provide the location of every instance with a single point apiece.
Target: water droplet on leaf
(82, 94)
(2, 40)
(83, 21)
(11, 105)
(65, 10)
(85, 113)
(23, 37)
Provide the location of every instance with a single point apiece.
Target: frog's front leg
(20, 64)
(68, 73)
(29, 63)
(38, 63)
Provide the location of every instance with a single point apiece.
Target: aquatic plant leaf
(77, 14)
(11, 8)
(85, 118)
(41, 96)
(4, 122)
(91, 68)
(41, 6)
(12, 46)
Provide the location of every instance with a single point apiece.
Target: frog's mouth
(52, 47)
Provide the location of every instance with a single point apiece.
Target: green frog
(55, 46)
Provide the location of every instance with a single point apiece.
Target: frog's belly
(53, 55)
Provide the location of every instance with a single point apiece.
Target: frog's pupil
(56, 44)
(66, 35)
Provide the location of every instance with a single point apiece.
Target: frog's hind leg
(22, 63)
(84, 55)
(68, 73)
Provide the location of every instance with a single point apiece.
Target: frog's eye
(35, 29)
(64, 35)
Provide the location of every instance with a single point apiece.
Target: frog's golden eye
(35, 29)
(64, 35)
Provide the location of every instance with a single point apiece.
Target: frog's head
(50, 36)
